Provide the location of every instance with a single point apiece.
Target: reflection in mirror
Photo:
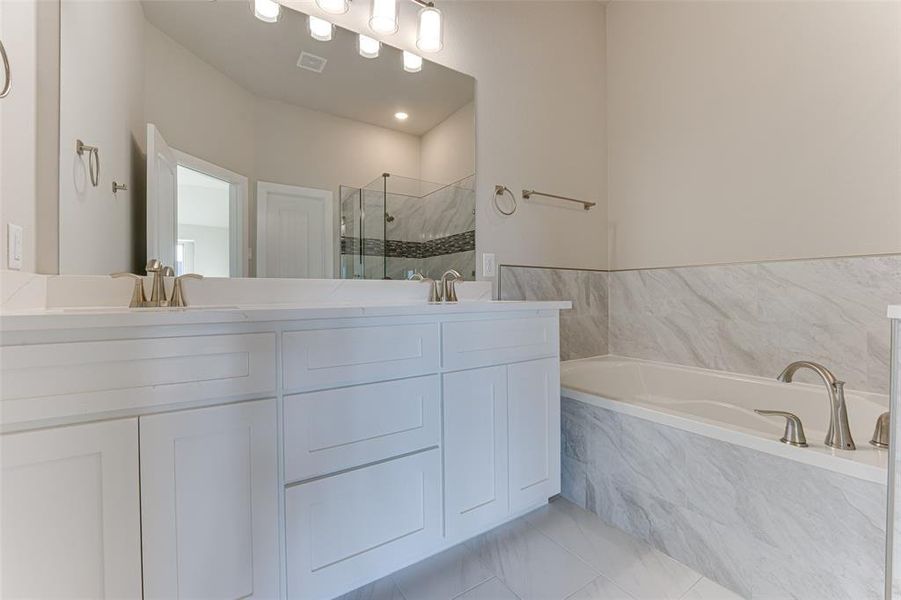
(252, 149)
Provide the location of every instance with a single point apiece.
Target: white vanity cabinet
(209, 502)
(70, 523)
(276, 457)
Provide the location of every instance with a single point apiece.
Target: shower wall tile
(762, 525)
(583, 330)
(756, 318)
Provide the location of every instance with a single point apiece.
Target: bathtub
(721, 405)
(677, 457)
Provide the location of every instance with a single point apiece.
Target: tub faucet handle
(881, 433)
(794, 431)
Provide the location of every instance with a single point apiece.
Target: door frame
(263, 189)
(238, 235)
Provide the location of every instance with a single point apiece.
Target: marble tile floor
(558, 552)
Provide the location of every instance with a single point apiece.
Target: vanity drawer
(323, 358)
(349, 529)
(331, 430)
(467, 344)
(45, 381)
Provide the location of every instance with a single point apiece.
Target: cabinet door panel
(534, 409)
(475, 450)
(209, 502)
(70, 521)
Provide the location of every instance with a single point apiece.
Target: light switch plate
(489, 265)
(14, 247)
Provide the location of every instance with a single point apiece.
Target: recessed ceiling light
(412, 62)
(401, 116)
(320, 29)
(266, 10)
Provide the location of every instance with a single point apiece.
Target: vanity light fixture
(367, 46)
(383, 16)
(266, 10)
(401, 116)
(412, 62)
(333, 7)
(430, 34)
(320, 29)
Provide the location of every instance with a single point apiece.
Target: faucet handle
(794, 431)
(137, 292)
(153, 266)
(434, 290)
(178, 294)
(881, 433)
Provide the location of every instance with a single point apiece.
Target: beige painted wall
(101, 103)
(539, 70)
(752, 130)
(447, 151)
(18, 130)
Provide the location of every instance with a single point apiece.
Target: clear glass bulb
(430, 35)
(412, 62)
(320, 29)
(383, 16)
(368, 47)
(266, 10)
(333, 7)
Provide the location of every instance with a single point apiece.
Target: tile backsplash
(750, 318)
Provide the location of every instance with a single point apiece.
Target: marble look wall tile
(762, 525)
(756, 318)
(584, 329)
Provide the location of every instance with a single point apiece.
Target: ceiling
(262, 58)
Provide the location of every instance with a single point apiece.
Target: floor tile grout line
(564, 548)
(693, 586)
(483, 582)
(604, 577)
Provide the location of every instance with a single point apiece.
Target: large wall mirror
(232, 147)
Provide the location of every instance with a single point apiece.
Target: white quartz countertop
(105, 316)
(894, 311)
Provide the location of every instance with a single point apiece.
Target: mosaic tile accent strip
(451, 244)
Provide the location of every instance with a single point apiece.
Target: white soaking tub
(676, 456)
(721, 405)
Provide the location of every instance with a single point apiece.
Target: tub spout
(839, 434)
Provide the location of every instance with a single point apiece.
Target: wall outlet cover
(489, 265)
(14, 246)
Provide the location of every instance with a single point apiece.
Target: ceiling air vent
(311, 62)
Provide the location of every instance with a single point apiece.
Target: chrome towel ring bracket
(500, 190)
(93, 160)
(7, 74)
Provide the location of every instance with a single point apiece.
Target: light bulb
(430, 35)
(412, 62)
(320, 29)
(266, 10)
(367, 46)
(401, 116)
(383, 16)
(333, 7)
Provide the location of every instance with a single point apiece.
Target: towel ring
(500, 190)
(93, 160)
(7, 74)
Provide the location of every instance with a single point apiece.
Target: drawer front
(46, 381)
(469, 344)
(331, 430)
(324, 358)
(347, 530)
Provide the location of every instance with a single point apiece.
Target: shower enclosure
(395, 227)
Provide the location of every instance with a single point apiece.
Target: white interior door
(162, 198)
(295, 235)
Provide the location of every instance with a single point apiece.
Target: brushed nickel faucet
(447, 284)
(158, 296)
(839, 434)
